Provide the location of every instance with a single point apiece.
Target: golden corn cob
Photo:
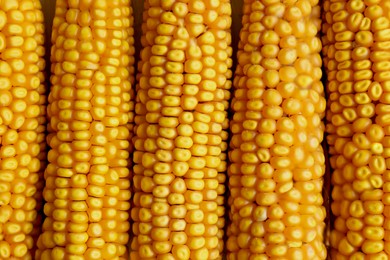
(180, 130)
(22, 126)
(87, 188)
(357, 59)
(277, 161)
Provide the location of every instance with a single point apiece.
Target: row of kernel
(142, 232)
(357, 128)
(277, 159)
(211, 109)
(22, 126)
(376, 204)
(174, 138)
(88, 180)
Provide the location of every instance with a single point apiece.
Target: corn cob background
(22, 126)
(87, 188)
(48, 7)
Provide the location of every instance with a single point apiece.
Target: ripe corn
(357, 59)
(87, 188)
(22, 126)
(277, 161)
(180, 130)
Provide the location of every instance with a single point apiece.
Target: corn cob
(357, 58)
(277, 161)
(180, 130)
(87, 188)
(22, 126)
